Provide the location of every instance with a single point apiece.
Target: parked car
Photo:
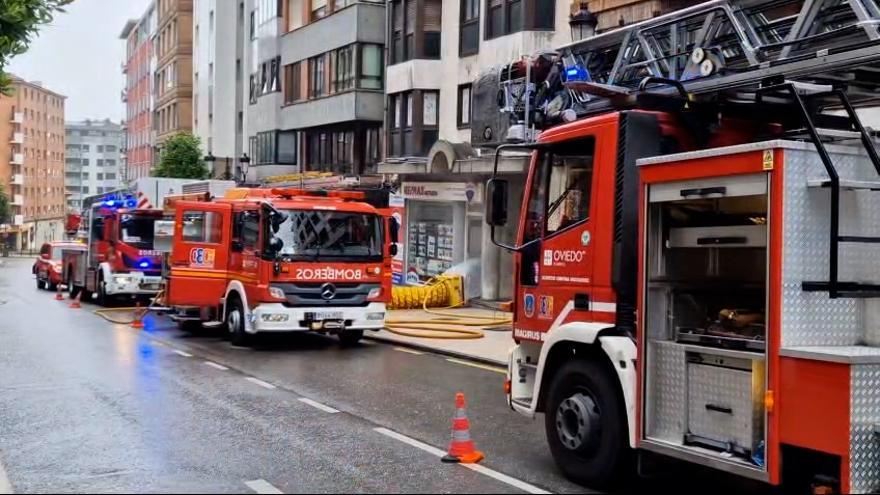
(48, 268)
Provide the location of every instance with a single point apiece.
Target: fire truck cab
(282, 260)
(120, 260)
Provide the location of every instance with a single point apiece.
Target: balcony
(17, 159)
(18, 220)
(17, 200)
(124, 96)
(18, 180)
(17, 138)
(342, 107)
(358, 23)
(124, 67)
(18, 118)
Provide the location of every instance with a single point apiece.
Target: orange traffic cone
(58, 296)
(462, 449)
(137, 323)
(75, 303)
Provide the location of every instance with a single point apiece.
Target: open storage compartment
(706, 272)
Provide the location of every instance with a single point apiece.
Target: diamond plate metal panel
(726, 388)
(864, 443)
(667, 392)
(810, 319)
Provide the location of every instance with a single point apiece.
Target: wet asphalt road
(89, 406)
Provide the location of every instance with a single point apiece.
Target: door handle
(704, 191)
(721, 409)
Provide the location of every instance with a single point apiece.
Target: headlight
(123, 280)
(375, 316)
(274, 317)
(277, 293)
(374, 293)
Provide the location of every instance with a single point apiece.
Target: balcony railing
(18, 138)
(17, 159)
(18, 200)
(18, 220)
(18, 118)
(18, 179)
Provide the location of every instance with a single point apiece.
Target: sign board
(468, 192)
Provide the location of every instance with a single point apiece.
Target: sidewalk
(491, 349)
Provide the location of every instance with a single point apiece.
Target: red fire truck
(119, 260)
(695, 258)
(283, 260)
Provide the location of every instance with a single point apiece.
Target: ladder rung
(850, 185)
(859, 239)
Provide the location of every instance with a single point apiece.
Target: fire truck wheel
(72, 289)
(350, 338)
(40, 285)
(586, 426)
(235, 323)
(102, 291)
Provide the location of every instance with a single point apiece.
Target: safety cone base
(471, 458)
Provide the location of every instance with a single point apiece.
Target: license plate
(328, 315)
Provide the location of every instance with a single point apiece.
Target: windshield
(330, 234)
(137, 231)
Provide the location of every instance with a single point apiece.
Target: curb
(434, 350)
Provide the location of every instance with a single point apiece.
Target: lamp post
(583, 23)
(245, 161)
(210, 159)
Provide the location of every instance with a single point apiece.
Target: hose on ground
(137, 312)
(437, 294)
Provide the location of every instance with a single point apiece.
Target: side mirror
(496, 206)
(393, 250)
(237, 246)
(275, 245)
(394, 230)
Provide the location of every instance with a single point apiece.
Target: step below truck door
(199, 258)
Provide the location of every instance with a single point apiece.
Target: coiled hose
(438, 294)
(137, 312)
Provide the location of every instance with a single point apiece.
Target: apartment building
(32, 164)
(173, 75)
(219, 34)
(139, 66)
(93, 159)
(332, 58)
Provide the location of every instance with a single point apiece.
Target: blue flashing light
(131, 203)
(144, 264)
(110, 203)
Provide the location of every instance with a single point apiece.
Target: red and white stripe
(143, 202)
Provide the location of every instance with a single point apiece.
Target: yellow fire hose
(440, 293)
(137, 312)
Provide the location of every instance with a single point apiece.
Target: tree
(5, 211)
(20, 21)
(181, 158)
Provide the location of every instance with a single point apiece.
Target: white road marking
(217, 366)
(5, 485)
(318, 405)
(262, 486)
(182, 353)
(521, 485)
(408, 351)
(259, 382)
(478, 365)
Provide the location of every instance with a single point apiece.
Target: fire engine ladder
(833, 129)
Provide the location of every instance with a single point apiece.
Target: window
(371, 66)
(404, 30)
(250, 230)
(202, 227)
(292, 85)
(510, 16)
(110, 163)
(100, 176)
(287, 148)
(85, 176)
(316, 76)
(319, 9)
(252, 26)
(413, 122)
(110, 176)
(342, 61)
(110, 148)
(464, 106)
(429, 110)
(469, 33)
(274, 77)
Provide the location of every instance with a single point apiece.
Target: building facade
(93, 160)
(218, 81)
(32, 164)
(332, 71)
(173, 75)
(139, 66)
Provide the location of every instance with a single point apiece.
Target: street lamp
(210, 159)
(583, 23)
(245, 161)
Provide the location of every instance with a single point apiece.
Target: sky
(80, 55)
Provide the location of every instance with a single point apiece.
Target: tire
(101, 291)
(72, 289)
(40, 284)
(52, 287)
(586, 426)
(350, 338)
(235, 323)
